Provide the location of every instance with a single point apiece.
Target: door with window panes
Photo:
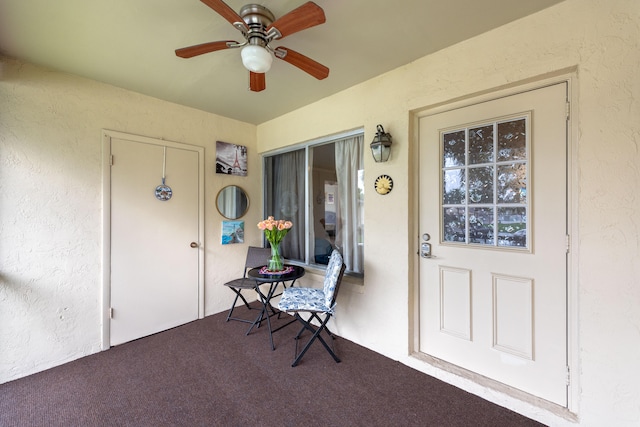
(493, 210)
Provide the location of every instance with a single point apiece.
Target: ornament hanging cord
(163, 192)
(164, 164)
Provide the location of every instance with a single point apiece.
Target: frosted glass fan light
(256, 58)
(259, 27)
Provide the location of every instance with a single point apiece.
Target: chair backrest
(256, 257)
(333, 277)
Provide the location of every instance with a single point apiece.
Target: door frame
(568, 76)
(107, 135)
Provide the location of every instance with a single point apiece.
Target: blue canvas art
(232, 232)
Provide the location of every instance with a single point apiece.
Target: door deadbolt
(425, 250)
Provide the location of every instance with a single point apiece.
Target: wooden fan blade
(305, 63)
(306, 16)
(257, 81)
(225, 11)
(191, 51)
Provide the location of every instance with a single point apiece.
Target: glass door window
(484, 183)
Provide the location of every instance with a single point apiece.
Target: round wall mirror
(232, 202)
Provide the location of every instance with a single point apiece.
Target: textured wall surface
(50, 196)
(597, 41)
(51, 213)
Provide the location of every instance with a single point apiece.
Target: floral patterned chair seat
(318, 303)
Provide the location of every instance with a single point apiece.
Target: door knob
(194, 245)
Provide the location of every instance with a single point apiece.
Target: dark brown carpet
(208, 373)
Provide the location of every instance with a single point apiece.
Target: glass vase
(276, 263)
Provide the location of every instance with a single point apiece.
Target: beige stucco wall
(51, 207)
(50, 200)
(598, 43)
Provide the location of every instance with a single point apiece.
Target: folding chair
(318, 303)
(256, 257)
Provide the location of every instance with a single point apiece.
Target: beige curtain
(350, 209)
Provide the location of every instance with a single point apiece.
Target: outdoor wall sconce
(381, 145)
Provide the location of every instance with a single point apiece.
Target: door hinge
(568, 376)
(111, 160)
(110, 312)
(568, 110)
(568, 242)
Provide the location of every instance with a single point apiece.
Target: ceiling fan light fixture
(256, 58)
(259, 27)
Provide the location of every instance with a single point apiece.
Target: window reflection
(481, 145)
(320, 188)
(512, 140)
(453, 149)
(484, 184)
(454, 186)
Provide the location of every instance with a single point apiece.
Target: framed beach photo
(231, 159)
(232, 232)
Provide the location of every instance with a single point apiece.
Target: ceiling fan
(259, 28)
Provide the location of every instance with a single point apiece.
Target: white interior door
(154, 243)
(493, 196)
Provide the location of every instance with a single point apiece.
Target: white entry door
(493, 224)
(155, 243)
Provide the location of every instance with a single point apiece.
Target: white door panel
(493, 304)
(154, 269)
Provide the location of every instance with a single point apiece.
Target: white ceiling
(131, 43)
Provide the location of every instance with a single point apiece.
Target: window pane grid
(484, 184)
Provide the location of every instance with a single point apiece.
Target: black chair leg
(233, 306)
(306, 324)
(244, 300)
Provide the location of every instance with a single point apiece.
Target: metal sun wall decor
(231, 159)
(232, 232)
